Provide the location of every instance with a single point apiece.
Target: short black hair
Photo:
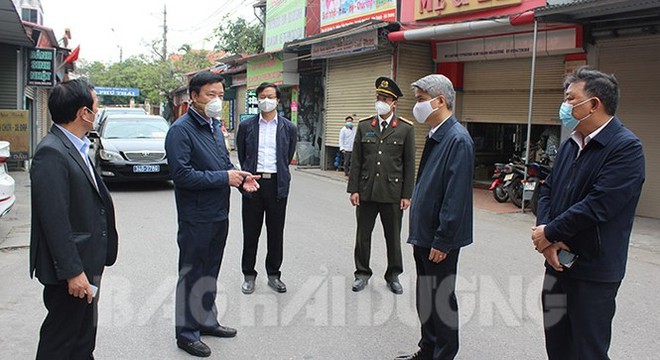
(265, 85)
(348, 117)
(67, 98)
(597, 84)
(203, 78)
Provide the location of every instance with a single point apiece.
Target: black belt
(267, 176)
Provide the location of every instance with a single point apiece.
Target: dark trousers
(201, 246)
(390, 217)
(263, 202)
(347, 162)
(437, 307)
(69, 330)
(577, 316)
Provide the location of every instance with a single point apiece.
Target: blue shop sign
(112, 91)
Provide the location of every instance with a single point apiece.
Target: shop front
(622, 39)
(490, 64)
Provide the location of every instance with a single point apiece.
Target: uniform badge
(370, 134)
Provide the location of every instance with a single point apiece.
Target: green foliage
(238, 37)
(154, 78)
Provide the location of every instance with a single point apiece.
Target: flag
(73, 56)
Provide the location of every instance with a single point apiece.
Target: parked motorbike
(514, 180)
(537, 172)
(497, 186)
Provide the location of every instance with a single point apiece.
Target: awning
(11, 27)
(595, 11)
(336, 34)
(477, 28)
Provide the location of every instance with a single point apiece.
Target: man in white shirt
(346, 137)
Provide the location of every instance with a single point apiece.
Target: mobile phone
(95, 290)
(566, 258)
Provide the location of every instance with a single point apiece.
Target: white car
(7, 184)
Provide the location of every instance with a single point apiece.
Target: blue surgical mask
(349, 125)
(566, 115)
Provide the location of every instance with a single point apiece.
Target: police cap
(388, 87)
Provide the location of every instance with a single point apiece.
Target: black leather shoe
(247, 287)
(395, 287)
(419, 355)
(220, 331)
(359, 284)
(277, 285)
(195, 348)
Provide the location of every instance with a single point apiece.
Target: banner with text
(264, 69)
(285, 21)
(41, 67)
(339, 13)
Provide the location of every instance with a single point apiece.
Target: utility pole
(164, 53)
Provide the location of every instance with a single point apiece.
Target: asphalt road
(319, 317)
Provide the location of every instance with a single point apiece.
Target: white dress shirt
(82, 145)
(582, 142)
(346, 138)
(380, 120)
(267, 154)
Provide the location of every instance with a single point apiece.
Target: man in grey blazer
(73, 235)
(440, 216)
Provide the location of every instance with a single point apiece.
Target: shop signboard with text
(339, 13)
(279, 69)
(285, 21)
(346, 45)
(41, 68)
(428, 9)
(14, 127)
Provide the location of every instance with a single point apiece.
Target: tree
(238, 37)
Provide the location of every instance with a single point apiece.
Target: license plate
(508, 177)
(530, 186)
(146, 168)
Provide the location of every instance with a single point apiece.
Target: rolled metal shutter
(415, 62)
(497, 91)
(350, 89)
(8, 77)
(634, 62)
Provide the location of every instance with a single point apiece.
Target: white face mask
(213, 108)
(422, 110)
(382, 107)
(267, 105)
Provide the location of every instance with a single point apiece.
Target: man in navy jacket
(587, 207)
(202, 173)
(266, 144)
(440, 216)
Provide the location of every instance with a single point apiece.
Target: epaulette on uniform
(366, 118)
(406, 120)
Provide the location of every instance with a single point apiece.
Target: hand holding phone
(566, 258)
(95, 290)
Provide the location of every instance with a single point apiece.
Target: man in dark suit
(381, 182)
(73, 235)
(586, 208)
(266, 144)
(440, 216)
(203, 174)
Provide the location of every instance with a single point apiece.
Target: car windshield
(123, 111)
(135, 129)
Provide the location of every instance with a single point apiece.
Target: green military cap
(388, 87)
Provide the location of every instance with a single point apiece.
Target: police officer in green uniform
(381, 182)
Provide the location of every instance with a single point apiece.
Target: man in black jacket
(73, 234)
(586, 208)
(266, 144)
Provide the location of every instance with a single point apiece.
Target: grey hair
(436, 85)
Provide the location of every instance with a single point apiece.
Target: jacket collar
(444, 128)
(606, 135)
